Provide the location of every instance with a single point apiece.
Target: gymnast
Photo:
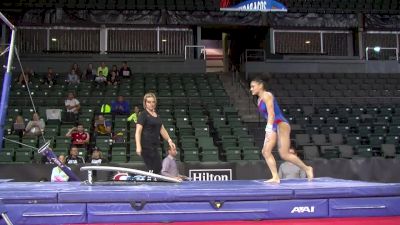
(277, 129)
(148, 130)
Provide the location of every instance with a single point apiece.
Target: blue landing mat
(73, 202)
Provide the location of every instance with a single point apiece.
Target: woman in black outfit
(148, 130)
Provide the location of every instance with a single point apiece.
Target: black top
(71, 160)
(151, 129)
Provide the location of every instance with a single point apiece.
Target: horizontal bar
(7, 22)
(128, 170)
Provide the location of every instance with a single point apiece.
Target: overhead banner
(252, 6)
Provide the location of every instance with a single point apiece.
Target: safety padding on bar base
(360, 207)
(46, 213)
(205, 211)
(28, 197)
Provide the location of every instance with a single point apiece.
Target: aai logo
(303, 209)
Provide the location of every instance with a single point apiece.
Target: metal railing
(202, 49)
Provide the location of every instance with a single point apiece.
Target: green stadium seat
(7, 155)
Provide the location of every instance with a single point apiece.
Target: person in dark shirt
(125, 70)
(149, 127)
(73, 157)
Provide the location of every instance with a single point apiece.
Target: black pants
(152, 159)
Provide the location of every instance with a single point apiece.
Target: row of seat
(348, 151)
(339, 139)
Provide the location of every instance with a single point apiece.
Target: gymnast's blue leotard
(262, 108)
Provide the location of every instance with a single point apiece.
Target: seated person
(77, 69)
(120, 107)
(101, 78)
(125, 71)
(115, 69)
(133, 117)
(113, 78)
(102, 73)
(103, 68)
(73, 157)
(78, 135)
(90, 72)
(169, 167)
(35, 127)
(50, 77)
(288, 170)
(27, 79)
(18, 127)
(57, 175)
(97, 157)
(73, 78)
(72, 106)
(101, 126)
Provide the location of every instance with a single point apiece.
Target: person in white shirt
(72, 106)
(35, 127)
(73, 78)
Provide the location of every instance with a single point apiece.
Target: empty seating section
(338, 113)
(194, 108)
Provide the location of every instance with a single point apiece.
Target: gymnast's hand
(268, 132)
(138, 151)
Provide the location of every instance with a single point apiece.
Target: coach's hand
(171, 144)
(138, 151)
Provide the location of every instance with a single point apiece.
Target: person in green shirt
(133, 117)
(104, 70)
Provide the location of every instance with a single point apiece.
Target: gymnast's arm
(269, 102)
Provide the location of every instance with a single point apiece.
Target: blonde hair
(148, 95)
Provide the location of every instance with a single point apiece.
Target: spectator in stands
(78, 135)
(73, 78)
(72, 106)
(125, 71)
(35, 127)
(77, 69)
(105, 108)
(57, 175)
(288, 170)
(149, 128)
(97, 157)
(113, 78)
(133, 117)
(104, 70)
(90, 74)
(169, 167)
(101, 78)
(28, 76)
(277, 130)
(101, 126)
(73, 157)
(50, 77)
(115, 69)
(120, 106)
(18, 127)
